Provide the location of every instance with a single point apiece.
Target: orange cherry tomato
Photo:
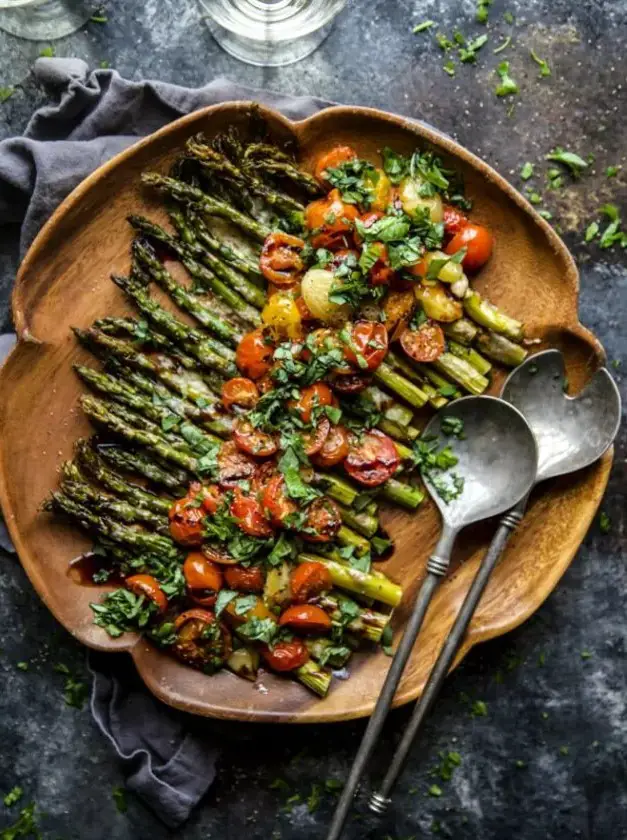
(426, 344)
(310, 397)
(418, 269)
(341, 256)
(303, 309)
(351, 383)
(478, 241)
(285, 656)
(249, 515)
(251, 440)
(368, 345)
(367, 220)
(281, 261)
(381, 274)
(263, 474)
(323, 521)
(233, 465)
(241, 392)
(258, 610)
(276, 502)
(309, 580)
(217, 555)
(305, 618)
(149, 587)
(332, 159)
(313, 441)
(334, 449)
(454, 220)
(203, 578)
(187, 521)
(243, 579)
(254, 354)
(372, 458)
(211, 498)
(197, 647)
(331, 221)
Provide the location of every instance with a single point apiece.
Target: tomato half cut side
(368, 345)
(233, 465)
(285, 656)
(334, 450)
(372, 458)
(276, 502)
(318, 394)
(313, 441)
(305, 618)
(322, 522)
(186, 521)
(426, 344)
(478, 242)
(149, 588)
(332, 159)
(249, 514)
(281, 262)
(241, 392)
(243, 579)
(253, 355)
(308, 580)
(251, 440)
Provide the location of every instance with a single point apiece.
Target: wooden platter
(64, 281)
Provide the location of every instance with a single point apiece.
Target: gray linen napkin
(97, 115)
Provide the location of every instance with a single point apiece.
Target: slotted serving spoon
(497, 460)
(571, 433)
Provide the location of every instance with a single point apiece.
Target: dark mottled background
(548, 759)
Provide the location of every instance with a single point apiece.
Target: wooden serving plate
(64, 281)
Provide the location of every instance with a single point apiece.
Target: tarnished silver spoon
(497, 462)
(571, 433)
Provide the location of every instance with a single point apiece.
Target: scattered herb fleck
(6, 93)
(23, 666)
(541, 658)
(435, 790)
(573, 161)
(507, 86)
(333, 785)
(564, 750)
(526, 171)
(591, 231)
(99, 17)
(503, 46)
(545, 715)
(119, 797)
(449, 67)
(13, 796)
(482, 13)
(520, 764)
(605, 523)
(612, 171)
(422, 27)
(314, 798)
(26, 825)
(468, 52)
(47, 52)
(545, 70)
(585, 654)
(508, 17)
(479, 709)
(75, 692)
(104, 65)
(616, 363)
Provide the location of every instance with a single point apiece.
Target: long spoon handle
(437, 566)
(380, 800)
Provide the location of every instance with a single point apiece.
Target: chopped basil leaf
(610, 172)
(507, 86)
(224, 598)
(545, 70)
(481, 15)
(605, 523)
(468, 53)
(6, 93)
(13, 796)
(591, 231)
(573, 161)
(503, 46)
(526, 171)
(449, 67)
(259, 629)
(421, 27)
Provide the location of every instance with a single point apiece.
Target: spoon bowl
(571, 432)
(497, 458)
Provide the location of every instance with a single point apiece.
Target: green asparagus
(487, 315)
(501, 349)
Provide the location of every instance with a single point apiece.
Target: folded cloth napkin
(97, 115)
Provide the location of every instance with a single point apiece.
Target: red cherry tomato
(149, 587)
(211, 498)
(381, 274)
(372, 458)
(334, 450)
(281, 261)
(263, 474)
(313, 441)
(309, 580)
(323, 521)
(254, 354)
(233, 465)
(332, 159)
(342, 256)
(478, 241)
(203, 578)
(244, 579)
(303, 309)
(285, 656)
(217, 555)
(426, 344)
(368, 344)
(197, 647)
(276, 502)
(352, 383)
(187, 521)
(241, 392)
(249, 515)
(310, 397)
(305, 618)
(331, 221)
(454, 220)
(252, 440)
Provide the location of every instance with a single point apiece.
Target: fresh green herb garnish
(449, 67)
(99, 17)
(119, 797)
(545, 70)
(503, 46)
(452, 426)
(104, 65)
(507, 86)
(526, 171)
(259, 629)
(122, 610)
(47, 52)
(605, 523)
(564, 750)
(314, 798)
(6, 93)
(26, 825)
(585, 654)
(468, 53)
(612, 233)
(610, 172)
(508, 17)
(421, 27)
(75, 692)
(387, 637)
(479, 709)
(483, 6)
(22, 666)
(591, 231)
(573, 161)
(435, 790)
(443, 42)
(13, 796)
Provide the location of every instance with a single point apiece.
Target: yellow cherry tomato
(282, 315)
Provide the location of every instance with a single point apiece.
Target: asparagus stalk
(206, 238)
(402, 494)
(267, 160)
(393, 490)
(387, 405)
(487, 315)
(313, 677)
(346, 536)
(187, 301)
(399, 433)
(173, 480)
(462, 330)
(189, 194)
(363, 583)
(470, 355)
(461, 372)
(319, 648)
(360, 521)
(416, 373)
(369, 624)
(402, 387)
(501, 349)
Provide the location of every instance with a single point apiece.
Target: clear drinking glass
(270, 33)
(43, 20)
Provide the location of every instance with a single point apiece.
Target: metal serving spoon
(571, 432)
(497, 461)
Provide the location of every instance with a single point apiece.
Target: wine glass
(43, 20)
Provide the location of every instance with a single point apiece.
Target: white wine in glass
(43, 20)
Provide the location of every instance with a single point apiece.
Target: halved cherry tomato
(233, 465)
(381, 274)
(331, 221)
(368, 344)
(332, 159)
(309, 580)
(341, 256)
(254, 354)
(281, 261)
(323, 520)
(217, 555)
(196, 643)
(203, 578)
(310, 397)
(454, 220)
(265, 384)
(305, 618)
(149, 587)
(334, 449)
(252, 440)
(305, 312)
(313, 441)
(285, 656)
(249, 515)
(324, 340)
(478, 241)
(211, 498)
(367, 220)
(372, 458)
(240, 391)
(186, 521)
(276, 502)
(245, 579)
(258, 610)
(426, 344)
(263, 474)
(352, 383)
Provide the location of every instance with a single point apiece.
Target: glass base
(267, 53)
(47, 21)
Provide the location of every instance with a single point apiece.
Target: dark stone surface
(565, 719)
